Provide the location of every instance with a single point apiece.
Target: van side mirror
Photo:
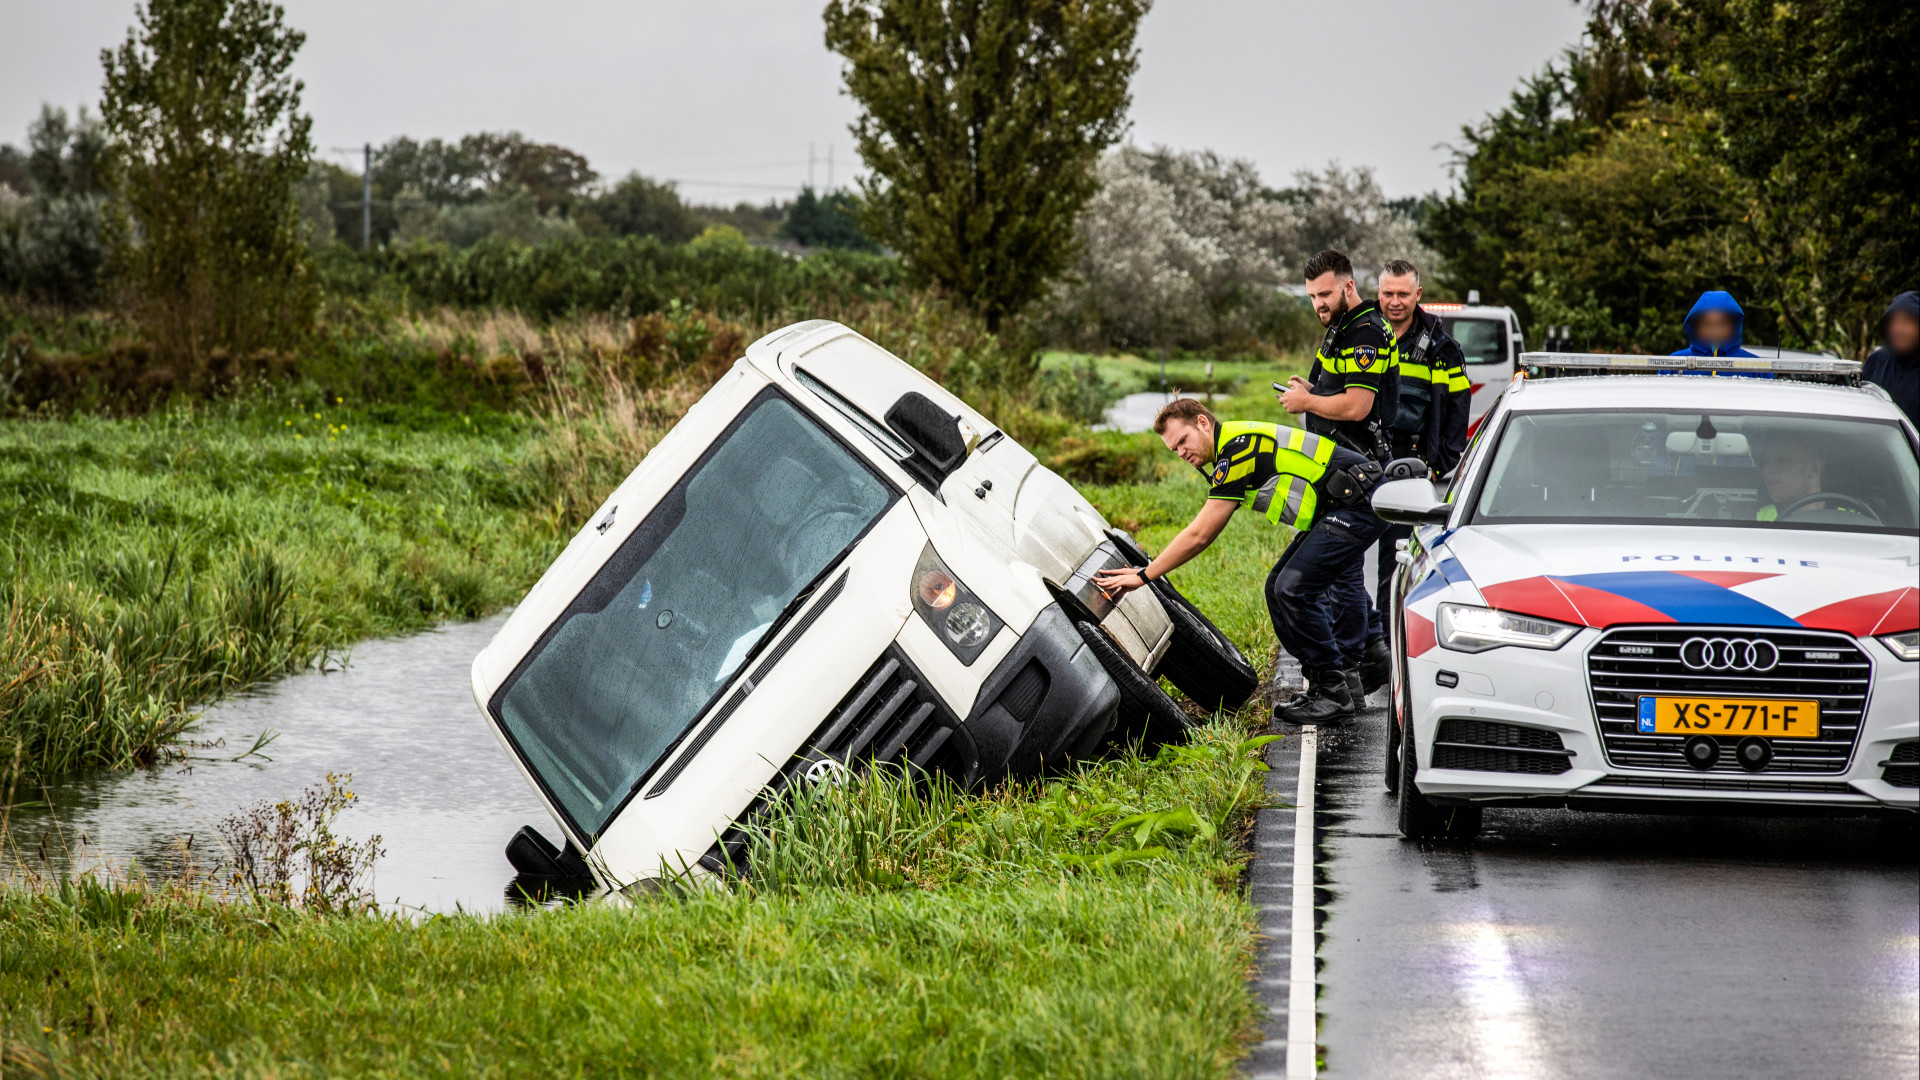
(1410, 502)
(934, 435)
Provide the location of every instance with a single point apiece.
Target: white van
(830, 562)
(1489, 337)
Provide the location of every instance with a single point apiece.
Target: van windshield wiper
(793, 608)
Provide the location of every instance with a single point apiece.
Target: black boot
(1327, 699)
(1376, 665)
(1356, 689)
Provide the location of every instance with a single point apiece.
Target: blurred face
(1399, 295)
(1790, 473)
(1192, 441)
(1713, 327)
(1903, 332)
(1332, 295)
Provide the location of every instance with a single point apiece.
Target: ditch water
(1135, 412)
(432, 780)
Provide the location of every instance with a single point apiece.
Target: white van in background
(1489, 336)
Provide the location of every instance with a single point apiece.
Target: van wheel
(1420, 819)
(1146, 712)
(1203, 662)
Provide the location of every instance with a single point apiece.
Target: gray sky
(726, 97)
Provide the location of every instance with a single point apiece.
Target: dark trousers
(1317, 592)
(1377, 618)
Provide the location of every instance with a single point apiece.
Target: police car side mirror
(1410, 502)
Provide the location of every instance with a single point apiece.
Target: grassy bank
(1091, 925)
(154, 563)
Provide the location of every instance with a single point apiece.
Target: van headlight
(1905, 646)
(957, 617)
(1463, 628)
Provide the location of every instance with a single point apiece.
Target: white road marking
(1302, 1044)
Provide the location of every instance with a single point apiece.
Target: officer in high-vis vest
(1317, 593)
(1429, 424)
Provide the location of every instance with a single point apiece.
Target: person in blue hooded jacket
(1714, 326)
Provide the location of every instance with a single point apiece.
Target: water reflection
(432, 779)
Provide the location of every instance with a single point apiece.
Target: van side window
(869, 427)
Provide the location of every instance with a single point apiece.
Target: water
(432, 780)
(1135, 412)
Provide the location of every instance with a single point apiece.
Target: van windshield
(1482, 341)
(1757, 470)
(654, 637)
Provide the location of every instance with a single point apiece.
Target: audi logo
(1729, 654)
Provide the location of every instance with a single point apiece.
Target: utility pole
(366, 197)
(809, 166)
(829, 168)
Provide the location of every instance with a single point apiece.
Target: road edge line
(1302, 1037)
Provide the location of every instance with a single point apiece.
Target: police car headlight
(1905, 646)
(1476, 629)
(962, 622)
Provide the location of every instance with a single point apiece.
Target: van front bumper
(1047, 701)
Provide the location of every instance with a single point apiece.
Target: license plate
(1774, 718)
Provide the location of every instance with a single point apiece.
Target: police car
(830, 564)
(1654, 590)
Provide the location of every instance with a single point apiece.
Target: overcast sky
(726, 97)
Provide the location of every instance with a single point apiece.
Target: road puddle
(432, 780)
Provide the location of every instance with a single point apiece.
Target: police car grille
(890, 717)
(1485, 746)
(1902, 767)
(1631, 661)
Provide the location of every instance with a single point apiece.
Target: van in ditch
(829, 564)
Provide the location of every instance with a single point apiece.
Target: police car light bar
(1542, 365)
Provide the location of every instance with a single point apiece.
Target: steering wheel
(1847, 501)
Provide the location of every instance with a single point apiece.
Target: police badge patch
(1219, 473)
(1364, 355)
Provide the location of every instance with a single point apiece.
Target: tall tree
(210, 145)
(981, 124)
(1812, 105)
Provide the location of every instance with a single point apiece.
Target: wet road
(432, 780)
(1565, 944)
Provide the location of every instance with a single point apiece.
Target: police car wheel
(1421, 819)
(1202, 661)
(1401, 717)
(1146, 712)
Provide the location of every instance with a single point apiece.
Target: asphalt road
(1567, 944)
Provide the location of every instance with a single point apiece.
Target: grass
(1091, 924)
(152, 564)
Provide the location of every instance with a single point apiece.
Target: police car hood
(1608, 575)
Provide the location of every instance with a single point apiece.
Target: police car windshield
(658, 632)
(1757, 470)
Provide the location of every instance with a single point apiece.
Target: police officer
(1316, 594)
(1429, 424)
(1351, 393)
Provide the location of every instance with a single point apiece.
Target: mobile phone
(1280, 388)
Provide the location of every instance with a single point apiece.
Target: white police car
(1654, 590)
(830, 563)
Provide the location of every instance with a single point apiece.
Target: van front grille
(1629, 662)
(892, 716)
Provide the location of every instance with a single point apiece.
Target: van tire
(1202, 661)
(1146, 712)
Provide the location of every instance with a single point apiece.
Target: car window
(1484, 341)
(656, 634)
(1758, 470)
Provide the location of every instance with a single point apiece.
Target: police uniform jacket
(1275, 470)
(1358, 350)
(1435, 399)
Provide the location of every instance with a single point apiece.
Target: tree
(826, 221)
(982, 121)
(211, 145)
(1811, 105)
(52, 242)
(637, 206)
